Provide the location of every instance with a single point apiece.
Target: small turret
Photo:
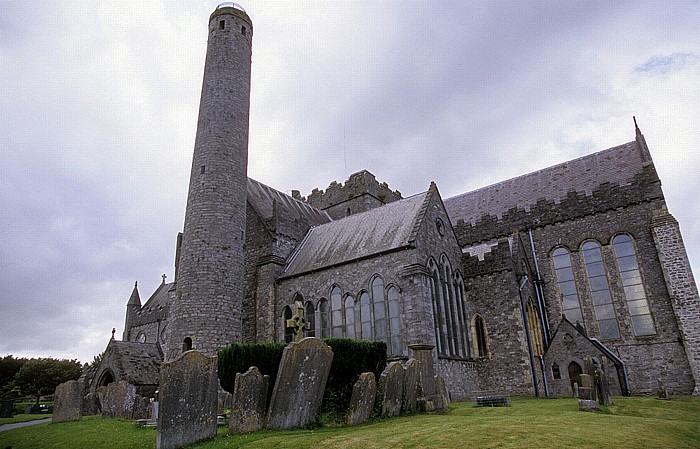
(133, 307)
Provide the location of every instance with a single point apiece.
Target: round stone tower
(207, 312)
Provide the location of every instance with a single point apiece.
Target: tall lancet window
(642, 322)
(570, 306)
(600, 291)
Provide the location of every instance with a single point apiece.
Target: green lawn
(631, 423)
(21, 417)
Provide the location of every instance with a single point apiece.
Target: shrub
(350, 359)
(238, 357)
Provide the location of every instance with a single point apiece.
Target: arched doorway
(574, 373)
(105, 379)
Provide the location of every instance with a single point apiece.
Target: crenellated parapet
(361, 192)
(645, 187)
(487, 258)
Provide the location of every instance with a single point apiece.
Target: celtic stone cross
(298, 323)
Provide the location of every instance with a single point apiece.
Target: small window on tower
(222, 24)
(203, 170)
(243, 30)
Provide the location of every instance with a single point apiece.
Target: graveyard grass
(632, 423)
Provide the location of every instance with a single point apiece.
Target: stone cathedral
(512, 284)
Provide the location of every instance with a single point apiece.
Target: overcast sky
(99, 102)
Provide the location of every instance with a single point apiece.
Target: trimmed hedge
(350, 359)
(238, 357)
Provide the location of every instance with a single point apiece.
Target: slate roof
(358, 236)
(139, 363)
(616, 165)
(262, 198)
(159, 297)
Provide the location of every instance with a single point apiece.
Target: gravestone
(7, 408)
(576, 393)
(424, 355)
(587, 405)
(154, 412)
(91, 404)
(225, 401)
(364, 392)
(391, 389)
(411, 386)
(586, 390)
(68, 402)
(442, 392)
(118, 400)
(187, 404)
(142, 408)
(301, 379)
(603, 387)
(249, 401)
(661, 392)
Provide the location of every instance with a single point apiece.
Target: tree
(42, 376)
(9, 366)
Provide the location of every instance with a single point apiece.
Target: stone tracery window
(642, 321)
(570, 305)
(600, 291)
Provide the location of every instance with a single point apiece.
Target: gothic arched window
(396, 346)
(288, 331)
(481, 339)
(365, 317)
(437, 307)
(570, 305)
(310, 317)
(336, 312)
(324, 317)
(600, 291)
(350, 317)
(379, 309)
(642, 322)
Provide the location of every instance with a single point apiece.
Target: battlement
(644, 187)
(360, 193)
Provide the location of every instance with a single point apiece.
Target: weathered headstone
(603, 387)
(68, 402)
(118, 401)
(187, 403)
(154, 413)
(142, 408)
(661, 392)
(587, 405)
(364, 393)
(7, 409)
(411, 386)
(301, 379)
(391, 389)
(576, 393)
(586, 390)
(225, 401)
(424, 355)
(91, 404)
(249, 401)
(442, 391)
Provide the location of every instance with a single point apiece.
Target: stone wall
(642, 355)
(361, 192)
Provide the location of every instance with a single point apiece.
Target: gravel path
(23, 424)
